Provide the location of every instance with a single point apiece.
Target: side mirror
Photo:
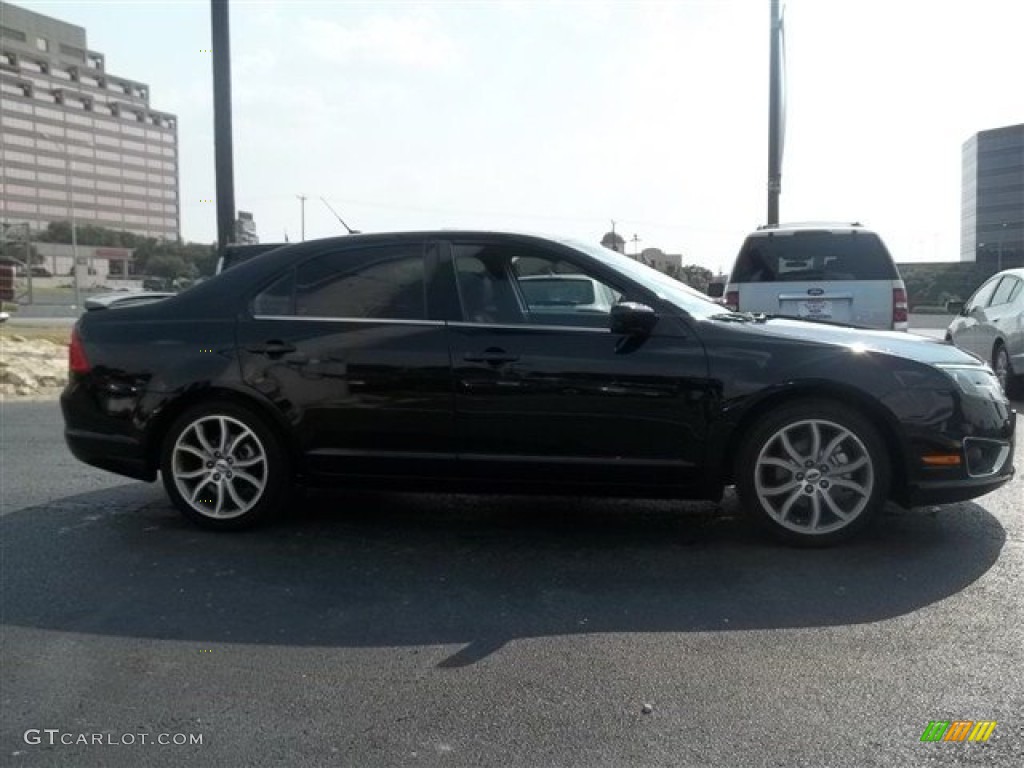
(956, 307)
(632, 319)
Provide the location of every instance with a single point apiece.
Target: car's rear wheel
(1008, 378)
(223, 467)
(813, 472)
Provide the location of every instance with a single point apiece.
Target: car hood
(898, 343)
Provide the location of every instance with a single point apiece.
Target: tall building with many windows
(992, 200)
(76, 141)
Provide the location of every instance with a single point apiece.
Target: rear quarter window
(813, 255)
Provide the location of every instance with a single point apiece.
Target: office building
(77, 142)
(992, 201)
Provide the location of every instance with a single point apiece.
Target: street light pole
(223, 148)
(1002, 237)
(302, 205)
(74, 236)
(775, 114)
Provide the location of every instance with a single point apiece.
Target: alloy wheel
(814, 476)
(219, 467)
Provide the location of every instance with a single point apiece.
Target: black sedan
(418, 361)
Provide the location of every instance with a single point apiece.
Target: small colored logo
(958, 730)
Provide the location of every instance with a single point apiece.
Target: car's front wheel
(223, 467)
(813, 472)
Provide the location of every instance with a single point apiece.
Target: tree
(169, 265)
(13, 245)
(155, 257)
(932, 284)
(695, 276)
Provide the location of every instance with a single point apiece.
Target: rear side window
(386, 284)
(1004, 293)
(813, 255)
(367, 284)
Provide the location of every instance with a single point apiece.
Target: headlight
(975, 381)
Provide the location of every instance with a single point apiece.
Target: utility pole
(302, 206)
(222, 140)
(775, 115)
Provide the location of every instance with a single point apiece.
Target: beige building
(100, 263)
(76, 140)
(669, 263)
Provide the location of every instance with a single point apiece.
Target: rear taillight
(77, 361)
(899, 306)
(732, 300)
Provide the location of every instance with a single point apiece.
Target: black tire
(235, 490)
(1011, 380)
(783, 500)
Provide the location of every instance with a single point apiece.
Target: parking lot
(386, 629)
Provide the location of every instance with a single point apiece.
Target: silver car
(991, 325)
(559, 293)
(839, 273)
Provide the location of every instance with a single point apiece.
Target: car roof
(266, 264)
(287, 251)
(833, 227)
(1014, 271)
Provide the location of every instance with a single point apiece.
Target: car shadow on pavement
(357, 569)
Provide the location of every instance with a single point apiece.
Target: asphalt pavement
(376, 629)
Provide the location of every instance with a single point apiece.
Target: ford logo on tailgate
(815, 291)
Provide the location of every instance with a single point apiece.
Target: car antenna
(346, 226)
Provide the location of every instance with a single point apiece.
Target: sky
(561, 117)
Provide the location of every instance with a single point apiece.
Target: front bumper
(948, 487)
(952, 491)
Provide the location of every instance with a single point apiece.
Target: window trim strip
(365, 320)
(528, 326)
(452, 323)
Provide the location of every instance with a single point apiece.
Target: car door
(1014, 328)
(1000, 316)
(965, 331)
(350, 347)
(546, 393)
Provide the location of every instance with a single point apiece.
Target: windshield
(665, 287)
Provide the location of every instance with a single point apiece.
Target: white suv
(839, 273)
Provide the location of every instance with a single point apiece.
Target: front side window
(1015, 294)
(515, 284)
(981, 297)
(1004, 291)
